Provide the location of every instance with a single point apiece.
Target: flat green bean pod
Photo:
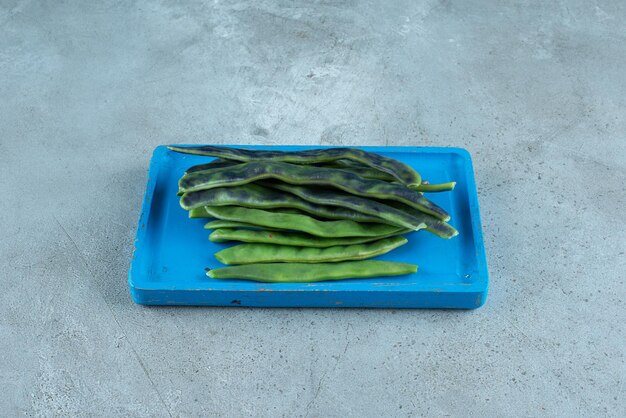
(273, 253)
(437, 187)
(433, 225)
(217, 163)
(338, 198)
(221, 223)
(285, 238)
(367, 173)
(347, 165)
(399, 170)
(256, 196)
(294, 174)
(384, 209)
(202, 213)
(370, 173)
(307, 273)
(303, 223)
(198, 213)
(360, 170)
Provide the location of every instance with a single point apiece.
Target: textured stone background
(534, 90)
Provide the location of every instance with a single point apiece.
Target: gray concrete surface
(535, 90)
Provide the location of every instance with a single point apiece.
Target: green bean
(217, 163)
(347, 165)
(367, 173)
(399, 170)
(198, 213)
(221, 223)
(433, 225)
(337, 198)
(201, 213)
(385, 209)
(307, 273)
(441, 187)
(303, 223)
(289, 173)
(375, 208)
(363, 171)
(256, 196)
(273, 253)
(286, 238)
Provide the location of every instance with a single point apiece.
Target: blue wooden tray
(172, 251)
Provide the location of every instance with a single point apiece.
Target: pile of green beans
(308, 216)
